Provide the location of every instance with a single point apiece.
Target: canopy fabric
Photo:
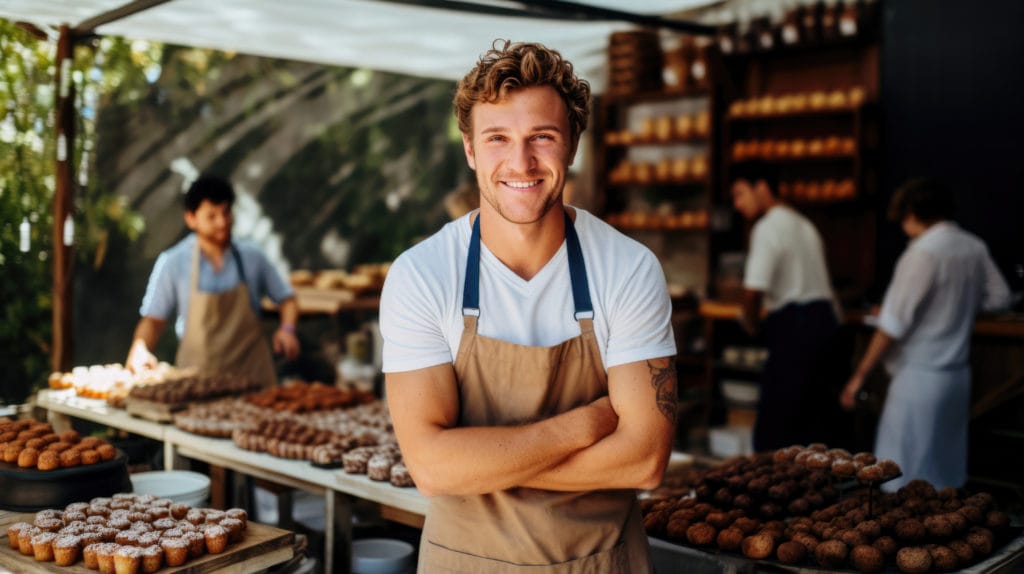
(381, 35)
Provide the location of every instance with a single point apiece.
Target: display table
(263, 546)
(334, 485)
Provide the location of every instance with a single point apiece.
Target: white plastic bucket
(381, 556)
(183, 486)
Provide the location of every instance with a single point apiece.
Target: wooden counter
(996, 325)
(315, 301)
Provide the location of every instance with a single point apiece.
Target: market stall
(797, 95)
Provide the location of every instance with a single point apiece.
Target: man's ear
(467, 146)
(190, 220)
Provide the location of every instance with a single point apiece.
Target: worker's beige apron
(222, 334)
(525, 529)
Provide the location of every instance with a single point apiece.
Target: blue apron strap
(584, 309)
(577, 272)
(471, 289)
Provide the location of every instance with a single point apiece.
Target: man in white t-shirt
(528, 347)
(786, 276)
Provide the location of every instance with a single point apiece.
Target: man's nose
(521, 157)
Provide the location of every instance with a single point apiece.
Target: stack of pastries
(32, 444)
(127, 533)
(817, 506)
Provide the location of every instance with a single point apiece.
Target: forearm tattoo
(664, 381)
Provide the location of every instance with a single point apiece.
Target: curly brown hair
(508, 66)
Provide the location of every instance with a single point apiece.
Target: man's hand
(140, 359)
(848, 399)
(751, 311)
(146, 335)
(286, 343)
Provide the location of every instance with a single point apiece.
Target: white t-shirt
(786, 260)
(421, 305)
(941, 281)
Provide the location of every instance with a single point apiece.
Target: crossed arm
(619, 441)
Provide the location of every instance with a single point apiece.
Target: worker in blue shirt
(212, 287)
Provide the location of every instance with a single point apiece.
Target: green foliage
(27, 185)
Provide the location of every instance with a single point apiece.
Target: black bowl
(31, 489)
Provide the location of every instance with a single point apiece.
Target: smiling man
(528, 347)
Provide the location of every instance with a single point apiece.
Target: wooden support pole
(63, 202)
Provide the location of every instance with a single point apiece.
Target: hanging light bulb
(69, 230)
(24, 235)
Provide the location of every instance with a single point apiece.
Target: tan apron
(525, 529)
(222, 334)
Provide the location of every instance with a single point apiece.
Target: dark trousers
(798, 396)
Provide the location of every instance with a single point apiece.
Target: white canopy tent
(429, 38)
(439, 39)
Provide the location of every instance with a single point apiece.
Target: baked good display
(33, 445)
(800, 506)
(345, 437)
(796, 148)
(111, 382)
(54, 471)
(185, 388)
(797, 103)
(116, 544)
(302, 397)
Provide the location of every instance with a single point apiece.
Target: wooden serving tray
(152, 410)
(271, 544)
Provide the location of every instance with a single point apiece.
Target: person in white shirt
(942, 280)
(528, 347)
(786, 276)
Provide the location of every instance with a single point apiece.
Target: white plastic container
(381, 556)
(184, 486)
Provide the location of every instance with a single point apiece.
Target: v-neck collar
(556, 264)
